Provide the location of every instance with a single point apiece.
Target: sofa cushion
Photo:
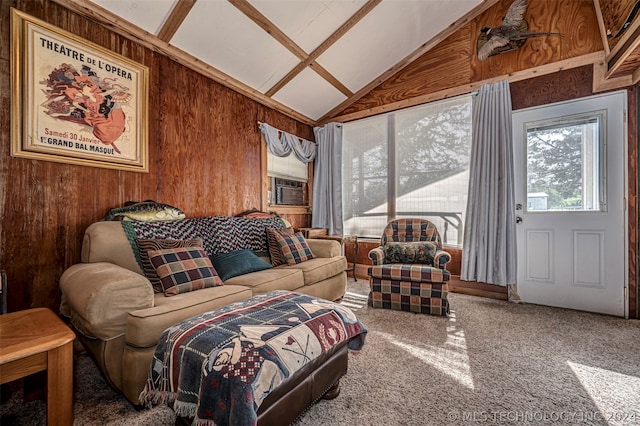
(294, 248)
(275, 252)
(416, 273)
(270, 279)
(183, 269)
(145, 245)
(320, 268)
(236, 263)
(145, 326)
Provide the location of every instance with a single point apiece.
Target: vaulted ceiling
(312, 59)
(307, 58)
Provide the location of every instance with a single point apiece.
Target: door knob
(518, 219)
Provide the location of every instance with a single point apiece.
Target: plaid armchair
(408, 270)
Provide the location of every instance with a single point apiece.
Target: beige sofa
(120, 319)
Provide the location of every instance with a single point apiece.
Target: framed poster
(74, 101)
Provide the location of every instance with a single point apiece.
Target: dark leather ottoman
(319, 379)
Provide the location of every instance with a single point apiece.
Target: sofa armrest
(441, 259)
(377, 256)
(98, 296)
(324, 248)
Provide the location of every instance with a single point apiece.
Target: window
(289, 167)
(409, 163)
(565, 164)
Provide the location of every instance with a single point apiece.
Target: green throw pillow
(239, 262)
(410, 252)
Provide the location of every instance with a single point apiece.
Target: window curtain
(282, 143)
(489, 247)
(327, 179)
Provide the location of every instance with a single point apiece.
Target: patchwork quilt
(219, 366)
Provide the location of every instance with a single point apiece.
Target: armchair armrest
(377, 256)
(98, 296)
(441, 259)
(324, 248)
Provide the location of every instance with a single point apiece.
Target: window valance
(282, 143)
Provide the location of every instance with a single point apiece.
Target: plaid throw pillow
(294, 248)
(275, 253)
(145, 245)
(184, 269)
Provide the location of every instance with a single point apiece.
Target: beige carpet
(490, 362)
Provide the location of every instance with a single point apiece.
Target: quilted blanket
(218, 367)
(220, 234)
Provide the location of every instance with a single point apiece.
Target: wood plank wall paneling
(204, 155)
(614, 14)
(454, 63)
(436, 70)
(557, 87)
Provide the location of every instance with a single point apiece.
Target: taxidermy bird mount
(511, 35)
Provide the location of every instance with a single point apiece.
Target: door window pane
(565, 164)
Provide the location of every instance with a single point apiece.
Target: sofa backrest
(107, 242)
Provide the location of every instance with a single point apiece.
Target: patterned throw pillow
(145, 245)
(410, 252)
(274, 248)
(184, 269)
(294, 248)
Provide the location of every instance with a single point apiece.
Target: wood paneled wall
(454, 62)
(204, 154)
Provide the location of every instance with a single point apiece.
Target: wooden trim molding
(551, 68)
(603, 30)
(478, 289)
(455, 285)
(600, 81)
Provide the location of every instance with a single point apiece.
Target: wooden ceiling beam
(410, 58)
(175, 19)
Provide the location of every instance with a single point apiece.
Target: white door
(570, 176)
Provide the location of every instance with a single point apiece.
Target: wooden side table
(34, 340)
